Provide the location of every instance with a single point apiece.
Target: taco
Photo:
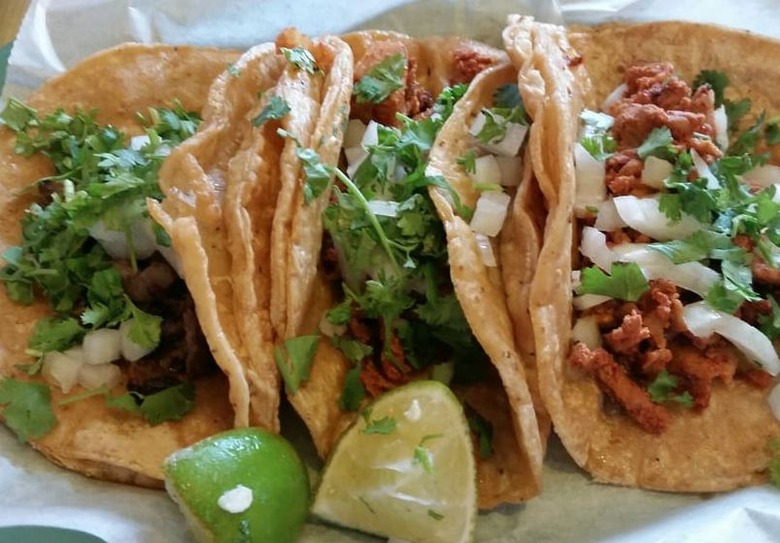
(81, 123)
(662, 382)
(383, 306)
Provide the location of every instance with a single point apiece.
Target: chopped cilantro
(354, 350)
(661, 390)
(301, 58)
(435, 515)
(382, 80)
(276, 108)
(383, 426)
(170, 404)
(698, 246)
(422, 455)
(294, 358)
(657, 141)
(468, 161)
(55, 334)
(26, 408)
(599, 147)
(718, 81)
(625, 282)
(507, 96)
(353, 392)
(483, 431)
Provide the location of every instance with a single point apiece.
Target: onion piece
(490, 213)
(97, 376)
(511, 142)
(61, 370)
(589, 172)
(720, 123)
(478, 124)
(702, 321)
(614, 97)
(116, 243)
(486, 170)
(644, 215)
(655, 171)
(371, 135)
(608, 218)
(586, 301)
(691, 276)
(511, 170)
(101, 346)
(139, 142)
(486, 250)
(763, 176)
(593, 245)
(774, 401)
(383, 208)
(586, 330)
(130, 350)
(703, 169)
(355, 157)
(353, 135)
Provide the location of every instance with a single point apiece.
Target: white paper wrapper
(57, 33)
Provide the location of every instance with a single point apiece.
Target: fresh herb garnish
(468, 161)
(483, 431)
(26, 408)
(624, 282)
(170, 404)
(382, 80)
(385, 425)
(301, 58)
(276, 108)
(657, 142)
(294, 358)
(662, 389)
(422, 455)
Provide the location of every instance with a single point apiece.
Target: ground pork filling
(646, 339)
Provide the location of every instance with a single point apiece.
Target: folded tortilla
(725, 445)
(90, 438)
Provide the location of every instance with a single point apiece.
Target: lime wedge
(405, 469)
(245, 485)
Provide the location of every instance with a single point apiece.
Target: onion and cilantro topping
(92, 212)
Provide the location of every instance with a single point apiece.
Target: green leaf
(600, 146)
(340, 314)
(423, 457)
(353, 393)
(294, 358)
(698, 246)
(167, 405)
(27, 408)
(661, 390)
(659, 138)
(354, 350)
(718, 81)
(738, 278)
(468, 161)
(17, 116)
(301, 58)
(625, 282)
(384, 426)
(735, 111)
(770, 324)
(507, 96)
(55, 334)
(483, 430)
(435, 515)
(381, 80)
(145, 329)
(276, 108)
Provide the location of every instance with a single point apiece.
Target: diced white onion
(486, 170)
(383, 208)
(511, 142)
(692, 276)
(594, 122)
(614, 96)
(608, 218)
(101, 346)
(96, 376)
(591, 190)
(486, 250)
(61, 370)
(355, 157)
(702, 321)
(763, 176)
(644, 215)
(511, 170)
(593, 245)
(371, 135)
(774, 401)
(655, 171)
(354, 133)
(703, 169)
(721, 126)
(490, 213)
(139, 142)
(130, 350)
(586, 301)
(586, 330)
(478, 124)
(116, 243)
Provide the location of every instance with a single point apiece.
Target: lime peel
(416, 483)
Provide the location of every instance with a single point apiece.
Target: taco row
(357, 212)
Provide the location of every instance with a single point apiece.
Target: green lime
(243, 485)
(405, 469)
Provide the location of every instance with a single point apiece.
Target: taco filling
(120, 310)
(676, 291)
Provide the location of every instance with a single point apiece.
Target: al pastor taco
(655, 334)
(384, 306)
(89, 301)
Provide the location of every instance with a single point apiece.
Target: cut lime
(405, 469)
(246, 485)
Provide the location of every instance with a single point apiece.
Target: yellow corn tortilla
(194, 180)
(89, 437)
(726, 445)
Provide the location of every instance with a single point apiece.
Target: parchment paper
(57, 33)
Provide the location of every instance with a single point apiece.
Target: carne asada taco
(383, 306)
(657, 368)
(76, 166)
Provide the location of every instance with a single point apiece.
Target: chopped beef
(469, 63)
(623, 174)
(617, 384)
(625, 339)
(389, 372)
(701, 368)
(151, 283)
(759, 378)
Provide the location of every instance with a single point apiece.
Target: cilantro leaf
(276, 108)
(423, 457)
(507, 96)
(435, 515)
(301, 58)
(294, 358)
(483, 431)
(658, 139)
(381, 80)
(599, 147)
(735, 111)
(354, 350)
(468, 161)
(661, 390)
(145, 328)
(17, 115)
(625, 282)
(167, 405)
(27, 408)
(353, 393)
(55, 334)
(718, 81)
(385, 425)
(698, 246)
